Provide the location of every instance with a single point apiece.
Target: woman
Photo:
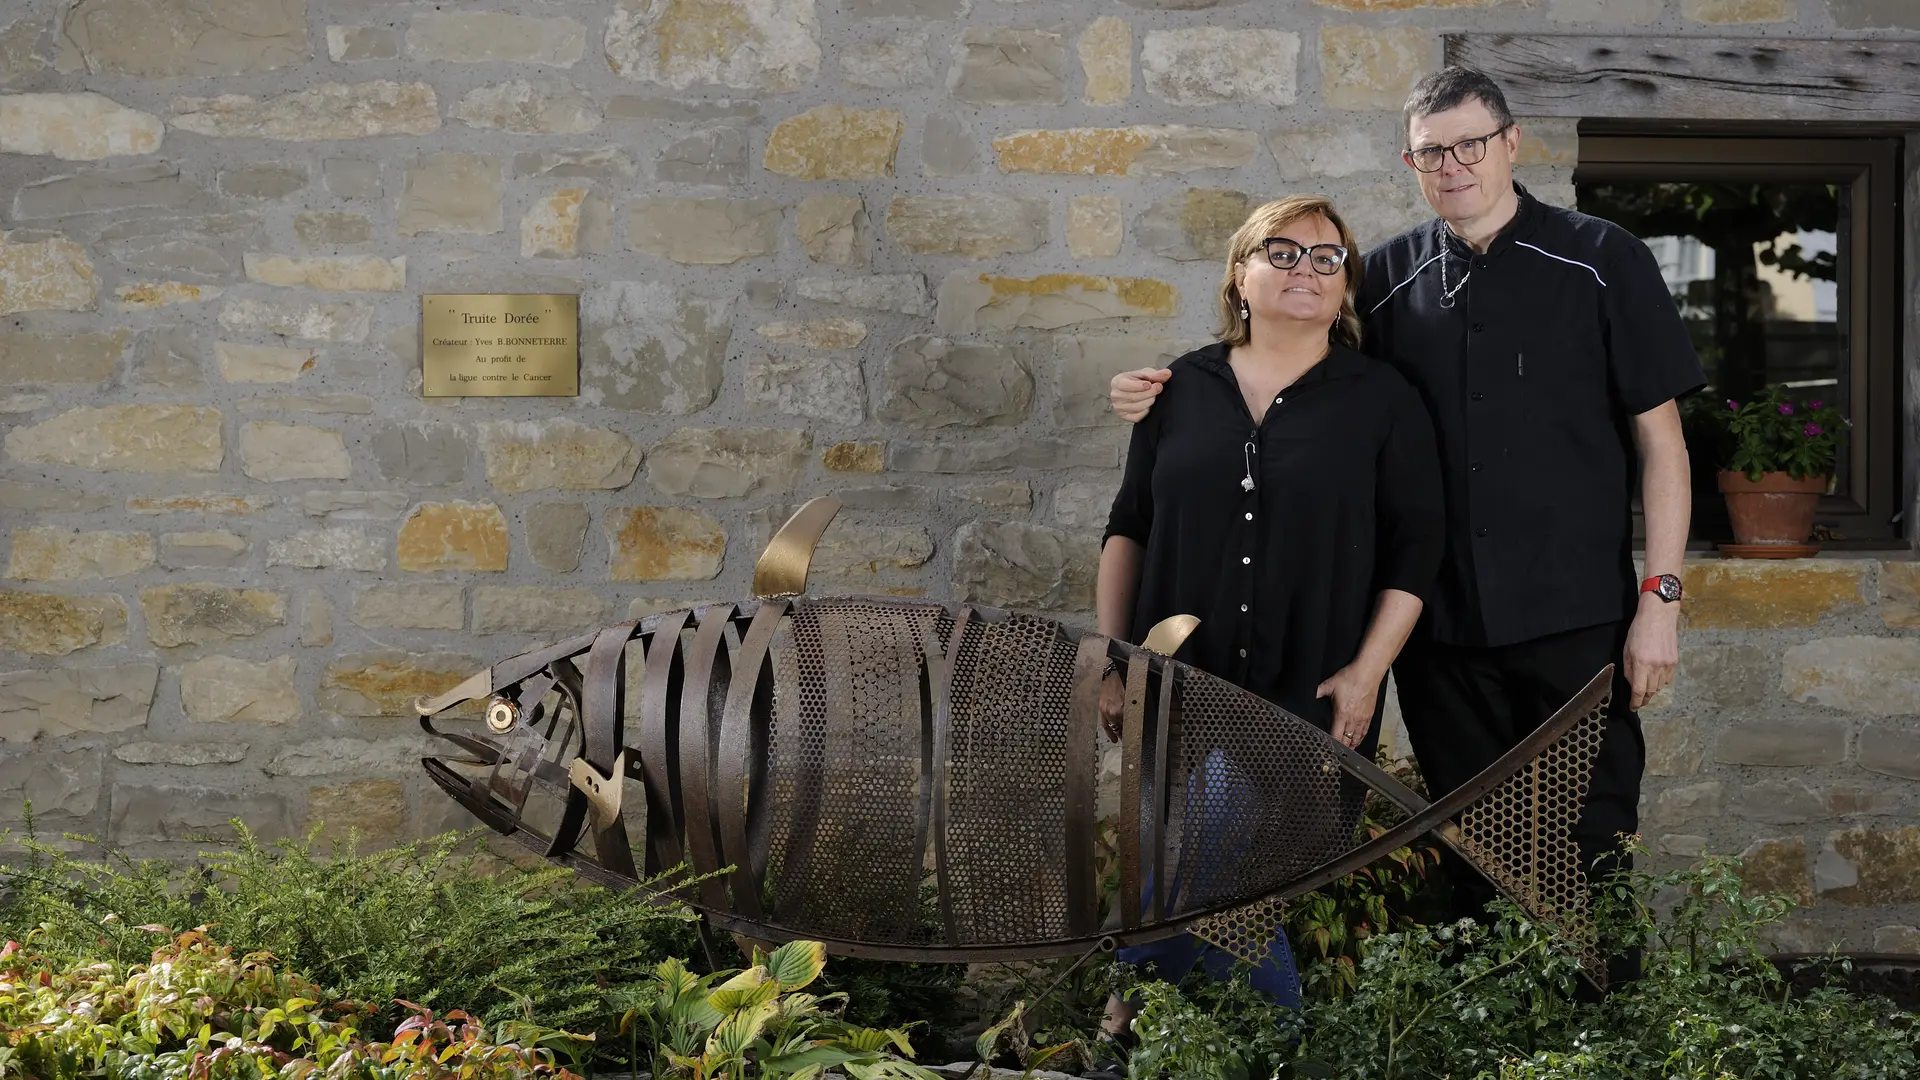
(1284, 489)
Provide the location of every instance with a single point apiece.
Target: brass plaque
(500, 344)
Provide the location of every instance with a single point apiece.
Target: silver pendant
(1246, 483)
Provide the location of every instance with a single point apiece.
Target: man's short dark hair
(1451, 87)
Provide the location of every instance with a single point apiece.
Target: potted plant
(1780, 457)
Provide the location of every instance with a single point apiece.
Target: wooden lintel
(1681, 78)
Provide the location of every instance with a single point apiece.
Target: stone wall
(890, 249)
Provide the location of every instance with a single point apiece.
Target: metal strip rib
(605, 685)
(704, 661)
(942, 665)
(733, 764)
(1132, 744)
(659, 742)
(1083, 767)
(1152, 839)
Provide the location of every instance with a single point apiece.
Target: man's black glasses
(1466, 152)
(1285, 254)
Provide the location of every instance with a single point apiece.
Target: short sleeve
(1409, 511)
(1132, 513)
(1650, 358)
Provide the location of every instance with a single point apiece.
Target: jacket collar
(1525, 218)
(1340, 363)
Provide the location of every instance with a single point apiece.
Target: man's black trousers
(1465, 706)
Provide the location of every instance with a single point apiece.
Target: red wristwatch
(1664, 586)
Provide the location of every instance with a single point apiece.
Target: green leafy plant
(1770, 433)
(759, 1023)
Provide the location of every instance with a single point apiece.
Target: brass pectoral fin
(1169, 634)
(782, 569)
(603, 792)
(479, 684)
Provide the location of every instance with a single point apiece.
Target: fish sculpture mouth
(913, 779)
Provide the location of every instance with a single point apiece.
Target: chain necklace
(1446, 294)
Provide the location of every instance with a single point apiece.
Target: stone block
(324, 112)
(360, 44)
(52, 702)
(1778, 801)
(689, 110)
(53, 274)
(704, 231)
(223, 752)
(329, 549)
(155, 186)
(51, 553)
(1083, 505)
(62, 358)
(981, 225)
(1873, 867)
(479, 37)
(76, 127)
(823, 387)
(304, 320)
(330, 757)
(45, 625)
(147, 813)
(1095, 227)
(1606, 12)
(421, 453)
(209, 549)
(1681, 844)
(599, 163)
(833, 142)
(1854, 800)
(1725, 675)
(664, 543)
(199, 614)
(22, 495)
(556, 454)
(1373, 68)
(1146, 151)
(1778, 867)
(1722, 12)
(453, 536)
(335, 273)
(123, 438)
(1106, 59)
(834, 229)
(205, 247)
(274, 452)
(387, 682)
(1688, 802)
(719, 463)
(529, 108)
(19, 55)
(1875, 14)
(1017, 565)
(1194, 225)
(895, 63)
(1897, 939)
(935, 383)
(904, 294)
(373, 813)
(1900, 595)
(353, 178)
(1216, 65)
(1326, 152)
(263, 180)
(652, 348)
(1674, 747)
(1795, 742)
(1752, 594)
(230, 690)
(1871, 675)
(409, 607)
(1891, 748)
(335, 505)
(555, 533)
(717, 155)
(537, 609)
(452, 193)
(970, 302)
(316, 619)
(833, 333)
(1009, 66)
(757, 45)
(947, 146)
(164, 39)
(855, 457)
(146, 296)
(209, 502)
(993, 453)
(551, 227)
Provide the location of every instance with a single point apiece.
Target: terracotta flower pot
(1774, 510)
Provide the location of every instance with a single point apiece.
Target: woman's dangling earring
(1245, 315)
(1335, 328)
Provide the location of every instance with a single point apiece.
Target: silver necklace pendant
(1446, 294)
(1246, 483)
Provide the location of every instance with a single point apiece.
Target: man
(1550, 355)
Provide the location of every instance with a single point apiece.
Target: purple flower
(1786, 409)
(1733, 405)
(1816, 404)
(1811, 430)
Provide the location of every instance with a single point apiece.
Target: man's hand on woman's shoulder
(1131, 393)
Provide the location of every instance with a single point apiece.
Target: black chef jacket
(1563, 332)
(1345, 503)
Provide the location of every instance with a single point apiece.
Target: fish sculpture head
(916, 779)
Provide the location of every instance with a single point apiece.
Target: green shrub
(427, 922)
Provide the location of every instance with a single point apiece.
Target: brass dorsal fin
(1169, 634)
(782, 569)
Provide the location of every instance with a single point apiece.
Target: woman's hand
(1354, 692)
(1131, 393)
(1113, 704)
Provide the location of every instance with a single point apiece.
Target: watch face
(1669, 588)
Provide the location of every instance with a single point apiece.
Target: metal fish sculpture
(913, 779)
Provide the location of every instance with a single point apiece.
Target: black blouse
(1345, 502)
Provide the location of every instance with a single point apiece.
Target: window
(1782, 254)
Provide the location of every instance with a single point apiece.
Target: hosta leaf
(797, 963)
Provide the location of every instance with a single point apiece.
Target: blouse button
(1249, 517)
(1243, 654)
(1246, 560)
(1243, 607)
(1279, 401)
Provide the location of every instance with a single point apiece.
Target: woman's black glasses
(1285, 254)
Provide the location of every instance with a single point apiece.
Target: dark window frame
(1871, 165)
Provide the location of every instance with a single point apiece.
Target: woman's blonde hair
(1268, 221)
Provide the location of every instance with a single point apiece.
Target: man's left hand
(1653, 648)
